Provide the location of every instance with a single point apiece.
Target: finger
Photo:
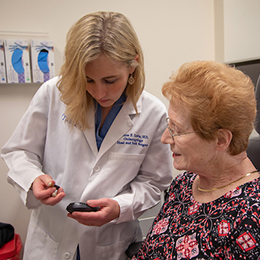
(44, 194)
(47, 180)
(50, 183)
(84, 220)
(42, 182)
(98, 203)
(51, 201)
(54, 194)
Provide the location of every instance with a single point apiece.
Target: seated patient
(212, 210)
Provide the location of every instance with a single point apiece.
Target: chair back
(257, 96)
(253, 150)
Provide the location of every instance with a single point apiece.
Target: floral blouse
(227, 228)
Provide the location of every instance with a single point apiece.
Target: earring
(131, 80)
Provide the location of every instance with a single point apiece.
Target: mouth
(174, 155)
(101, 101)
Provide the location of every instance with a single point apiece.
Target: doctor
(96, 133)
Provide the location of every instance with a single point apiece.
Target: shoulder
(152, 100)
(251, 192)
(244, 200)
(50, 85)
(48, 88)
(151, 107)
(47, 95)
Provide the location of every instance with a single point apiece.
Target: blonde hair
(101, 32)
(217, 96)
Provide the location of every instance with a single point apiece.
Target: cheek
(197, 156)
(189, 150)
(119, 88)
(89, 89)
(183, 146)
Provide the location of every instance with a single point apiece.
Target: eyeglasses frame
(171, 131)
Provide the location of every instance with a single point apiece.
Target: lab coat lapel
(122, 124)
(89, 134)
(91, 139)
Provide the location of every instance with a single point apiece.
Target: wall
(171, 32)
(241, 30)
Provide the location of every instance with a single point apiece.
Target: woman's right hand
(43, 190)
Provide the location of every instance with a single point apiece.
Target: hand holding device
(106, 210)
(45, 190)
(80, 206)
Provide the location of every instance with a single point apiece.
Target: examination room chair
(253, 150)
(133, 249)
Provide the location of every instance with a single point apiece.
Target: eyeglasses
(171, 131)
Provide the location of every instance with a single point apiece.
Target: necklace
(205, 190)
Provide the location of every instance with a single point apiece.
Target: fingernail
(54, 194)
(50, 184)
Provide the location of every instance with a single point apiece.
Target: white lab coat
(131, 167)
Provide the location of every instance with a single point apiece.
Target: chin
(179, 167)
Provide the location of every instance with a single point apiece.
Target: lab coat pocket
(126, 156)
(39, 239)
(115, 251)
(120, 170)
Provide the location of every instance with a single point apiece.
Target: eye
(172, 125)
(174, 128)
(178, 130)
(90, 80)
(110, 81)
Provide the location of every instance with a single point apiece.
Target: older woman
(212, 210)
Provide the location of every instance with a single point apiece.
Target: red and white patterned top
(227, 228)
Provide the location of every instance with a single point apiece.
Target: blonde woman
(94, 133)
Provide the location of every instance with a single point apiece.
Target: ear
(134, 64)
(224, 138)
(136, 58)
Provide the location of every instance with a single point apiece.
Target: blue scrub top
(101, 133)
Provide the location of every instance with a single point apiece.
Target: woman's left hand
(109, 210)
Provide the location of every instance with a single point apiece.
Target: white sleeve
(24, 150)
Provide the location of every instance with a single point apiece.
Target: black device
(56, 186)
(80, 206)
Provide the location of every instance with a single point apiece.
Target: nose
(100, 91)
(166, 137)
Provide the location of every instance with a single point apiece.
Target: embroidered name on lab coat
(134, 139)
